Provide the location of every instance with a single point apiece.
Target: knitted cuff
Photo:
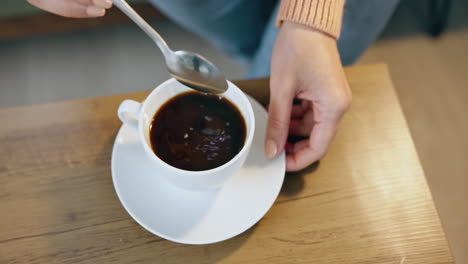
(323, 15)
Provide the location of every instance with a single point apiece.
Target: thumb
(279, 115)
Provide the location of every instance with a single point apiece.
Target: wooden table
(366, 202)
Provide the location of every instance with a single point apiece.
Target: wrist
(303, 34)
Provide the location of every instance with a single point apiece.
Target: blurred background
(44, 58)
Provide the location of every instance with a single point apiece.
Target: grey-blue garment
(245, 29)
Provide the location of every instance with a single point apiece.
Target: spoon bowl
(196, 72)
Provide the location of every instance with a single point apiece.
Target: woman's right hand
(74, 8)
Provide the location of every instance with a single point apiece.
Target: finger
(82, 2)
(303, 126)
(60, 7)
(306, 104)
(103, 3)
(68, 8)
(289, 147)
(279, 115)
(320, 138)
(300, 145)
(297, 112)
(296, 147)
(299, 128)
(95, 11)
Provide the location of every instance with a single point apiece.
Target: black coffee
(195, 131)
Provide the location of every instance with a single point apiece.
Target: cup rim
(245, 147)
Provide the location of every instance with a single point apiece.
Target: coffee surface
(195, 131)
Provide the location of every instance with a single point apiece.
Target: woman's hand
(305, 65)
(74, 8)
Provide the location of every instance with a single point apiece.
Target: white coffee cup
(139, 116)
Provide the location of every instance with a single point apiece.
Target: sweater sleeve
(323, 15)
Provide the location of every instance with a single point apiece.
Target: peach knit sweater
(323, 15)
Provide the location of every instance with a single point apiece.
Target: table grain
(367, 201)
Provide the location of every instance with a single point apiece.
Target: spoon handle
(133, 15)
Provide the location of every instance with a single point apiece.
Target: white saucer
(196, 217)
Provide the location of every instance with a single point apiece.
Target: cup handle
(128, 113)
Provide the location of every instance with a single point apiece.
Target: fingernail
(102, 3)
(94, 11)
(107, 4)
(270, 148)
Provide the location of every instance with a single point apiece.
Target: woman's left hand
(305, 65)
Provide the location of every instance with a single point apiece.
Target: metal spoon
(187, 67)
